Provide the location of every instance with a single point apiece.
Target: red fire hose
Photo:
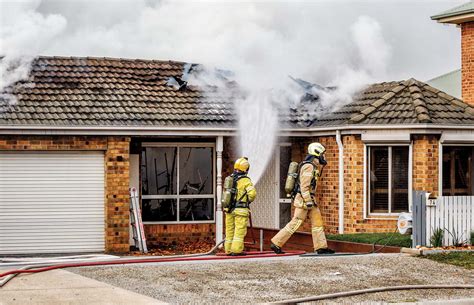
(253, 254)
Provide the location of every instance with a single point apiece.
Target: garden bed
(459, 258)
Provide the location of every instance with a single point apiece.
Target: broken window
(159, 170)
(388, 179)
(195, 168)
(457, 171)
(177, 183)
(159, 209)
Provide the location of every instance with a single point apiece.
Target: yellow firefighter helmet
(316, 149)
(242, 164)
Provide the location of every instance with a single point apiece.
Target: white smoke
(24, 33)
(262, 43)
(371, 54)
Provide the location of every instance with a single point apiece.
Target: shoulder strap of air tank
(298, 184)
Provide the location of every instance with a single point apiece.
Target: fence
(452, 214)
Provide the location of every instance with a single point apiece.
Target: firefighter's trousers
(317, 230)
(236, 229)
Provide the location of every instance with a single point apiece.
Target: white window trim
(366, 201)
(177, 196)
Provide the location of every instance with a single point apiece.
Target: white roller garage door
(51, 202)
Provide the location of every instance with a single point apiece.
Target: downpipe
(340, 148)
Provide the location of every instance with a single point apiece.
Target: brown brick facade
(354, 221)
(179, 233)
(425, 163)
(117, 158)
(117, 175)
(467, 59)
(116, 154)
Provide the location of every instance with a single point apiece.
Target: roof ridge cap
(378, 103)
(418, 100)
(468, 108)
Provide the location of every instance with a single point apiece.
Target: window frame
(390, 215)
(212, 196)
(441, 149)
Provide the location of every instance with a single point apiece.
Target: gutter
(210, 131)
(341, 181)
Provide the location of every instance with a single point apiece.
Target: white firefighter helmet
(316, 149)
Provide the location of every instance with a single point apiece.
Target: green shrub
(436, 239)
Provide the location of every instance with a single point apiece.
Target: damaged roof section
(65, 91)
(71, 91)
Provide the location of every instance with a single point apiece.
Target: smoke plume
(24, 33)
(262, 43)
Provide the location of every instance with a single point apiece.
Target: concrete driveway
(64, 287)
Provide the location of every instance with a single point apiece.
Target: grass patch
(391, 239)
(462, 259)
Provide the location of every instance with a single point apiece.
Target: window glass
(175, 192)
(159, 210)
(457, 171)
(379, 179)
(196, 209)
(195, 170)
(399, 179)
(461, 171)
(159, 170)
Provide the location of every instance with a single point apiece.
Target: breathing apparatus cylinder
(228, 193)
(291, 178)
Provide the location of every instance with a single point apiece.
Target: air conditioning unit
(405, 223)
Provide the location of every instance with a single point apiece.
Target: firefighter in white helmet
(238, 212)
(304, 202)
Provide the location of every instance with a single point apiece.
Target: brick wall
(117, 175)
(179, 233)
(425, 177)
(117, 158)
(425, 163)
(354, 221)
(467, 61)
(45, 143)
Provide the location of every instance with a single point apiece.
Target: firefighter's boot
(276, 249)
(325, 251)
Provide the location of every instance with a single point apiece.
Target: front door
(284, 203)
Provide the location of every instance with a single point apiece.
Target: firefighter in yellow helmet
(304, 202)
(238, 213)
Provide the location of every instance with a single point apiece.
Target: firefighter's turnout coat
(308, 178)
(237, 216)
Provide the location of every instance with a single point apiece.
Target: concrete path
(63, 287)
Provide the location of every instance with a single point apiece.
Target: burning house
(84, 130)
